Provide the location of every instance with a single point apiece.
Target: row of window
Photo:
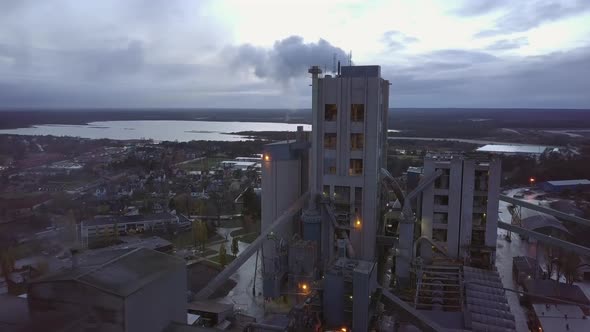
(477, 236)
(357, 112)
(356, 141)
(355, 166)
(477, 219)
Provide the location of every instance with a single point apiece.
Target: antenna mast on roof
(350, 58)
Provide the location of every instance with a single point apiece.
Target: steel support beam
(536, 207)
(208, 290)
(578, 249)
(419, 320)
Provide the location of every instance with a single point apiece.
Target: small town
(295, 166)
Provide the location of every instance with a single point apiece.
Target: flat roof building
(105, 225)
(560, 317)
(119, 291)
(562, 185)
(506, 149)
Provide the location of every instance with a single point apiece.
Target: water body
(157, 130)
(451, 139)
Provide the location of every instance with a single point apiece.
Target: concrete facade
(284, 174)
(460, 209)
(349, 146)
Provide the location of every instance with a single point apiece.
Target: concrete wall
(467, 206)
(153, 307)
(454, 207)
(333, 301)
(364, 282)
(281, 187)
(460, 208)
(494, 178)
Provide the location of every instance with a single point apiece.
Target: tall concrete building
(460, 209)
(284, 180)
(349, 147)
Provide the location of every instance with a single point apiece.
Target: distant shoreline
(502, 124)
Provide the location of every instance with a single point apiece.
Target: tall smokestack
(314, 178)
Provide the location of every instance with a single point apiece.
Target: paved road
(241, 296)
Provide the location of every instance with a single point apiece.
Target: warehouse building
(560, 186)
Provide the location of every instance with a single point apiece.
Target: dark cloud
(287, 59)
(508, 44)
(396, 40)
(555, 80)
(525, 15)
(19, 56)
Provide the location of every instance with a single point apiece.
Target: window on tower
(357, 141)
(330, 112)
(356, 167)
(439, 235)
(330, 141)
(329, 166)
(357, 112)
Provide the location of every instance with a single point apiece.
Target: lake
(157, 130)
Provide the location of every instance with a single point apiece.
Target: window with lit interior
(330, 141)
(357, 112)
(330, 112)
(329, 166)
(357, 141)
(356, 167)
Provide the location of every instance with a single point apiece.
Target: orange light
(266, 157)
(532, 179)
(304, 286)
(343, 329)
(358, 223)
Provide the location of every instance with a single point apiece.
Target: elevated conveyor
(544, 209)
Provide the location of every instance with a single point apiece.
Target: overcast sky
(250, 53)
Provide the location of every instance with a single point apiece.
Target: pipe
(436, 245)
(349, 248)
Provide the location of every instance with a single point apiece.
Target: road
(505, 251)
(241, 295)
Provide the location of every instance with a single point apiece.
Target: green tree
(6, 261)
(200, 233)
(571, 262)
(195, 229)
(222, 255)
(234, 246)
(250, 209)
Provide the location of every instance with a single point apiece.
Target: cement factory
(352, 250)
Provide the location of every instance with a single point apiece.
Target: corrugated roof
(561, 317)
(554, 289)
(505, 148)
(487, 307)
(577, 182)
(124, 274)
(541, 220)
